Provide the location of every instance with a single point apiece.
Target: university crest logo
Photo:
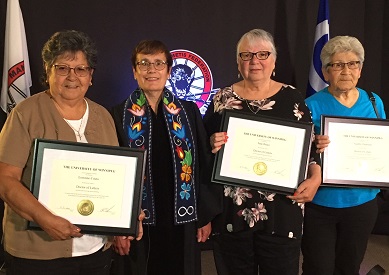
(191, 79)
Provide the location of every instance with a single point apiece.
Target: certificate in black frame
(132, 165)
(300, 133)
(360, 130)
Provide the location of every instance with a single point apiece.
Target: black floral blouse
(248, 209)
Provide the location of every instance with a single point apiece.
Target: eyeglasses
(261, 55)
(339, 66)
(64, 70)
(144, 65)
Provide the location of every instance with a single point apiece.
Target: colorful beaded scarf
(137, 123)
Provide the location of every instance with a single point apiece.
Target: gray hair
(68, 42)
(257, 35)
(341, 44)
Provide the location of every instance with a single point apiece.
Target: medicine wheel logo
(191, 79)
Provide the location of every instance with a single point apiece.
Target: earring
(274, 73)
(238, 75)
(90, 84)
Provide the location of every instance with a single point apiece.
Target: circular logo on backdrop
(191, 79)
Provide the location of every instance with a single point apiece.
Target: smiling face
(70, 87)
(343, 80)
(255, 69)
(151, 80)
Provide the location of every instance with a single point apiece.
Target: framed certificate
(358, 151)
(263, 152)
(95, 187)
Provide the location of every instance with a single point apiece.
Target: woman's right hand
(59, 228)
(217, 140)
(321, 142)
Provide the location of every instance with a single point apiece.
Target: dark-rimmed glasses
(261, 55)
(339, 66)
(144, 65)
(64, 70)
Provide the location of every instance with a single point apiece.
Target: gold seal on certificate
(85, 207)
(260, 168)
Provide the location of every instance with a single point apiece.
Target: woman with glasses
(339, 220)
(259, 230)
(62, 112)
(176, 182)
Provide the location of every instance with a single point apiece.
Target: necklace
(258, 102)
(250, 108)
(77, 132)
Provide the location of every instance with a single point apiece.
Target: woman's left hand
(307, 189)
(122, 244)
(203, 233)
(140, 225)
(321, 142)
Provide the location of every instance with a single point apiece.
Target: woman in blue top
(339, 220)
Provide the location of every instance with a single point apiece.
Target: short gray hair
(254, 35)
(341, 44)
(68, 42)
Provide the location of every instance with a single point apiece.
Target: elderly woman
(259, 230)
(60, 113)
(178, 151)
(339, 220)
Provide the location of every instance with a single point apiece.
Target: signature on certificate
(108, 209)
(380, 169)
(280, 172)
(65, 208)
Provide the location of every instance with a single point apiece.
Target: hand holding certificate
(93, 186)
(263, 152)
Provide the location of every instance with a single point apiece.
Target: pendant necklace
(76, 132)
(255, 100)
(252, 110)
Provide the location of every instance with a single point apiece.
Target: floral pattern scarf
(137, 123)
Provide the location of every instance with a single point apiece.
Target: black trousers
(171, 250)
(335, 239)
(97, 263)
(248, 252)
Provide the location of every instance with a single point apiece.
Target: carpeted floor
(377, 253)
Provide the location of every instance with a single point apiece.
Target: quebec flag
(16, 70)
(316, 80)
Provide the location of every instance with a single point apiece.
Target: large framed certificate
(95, 187)
(358, 152)
(263, 152)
